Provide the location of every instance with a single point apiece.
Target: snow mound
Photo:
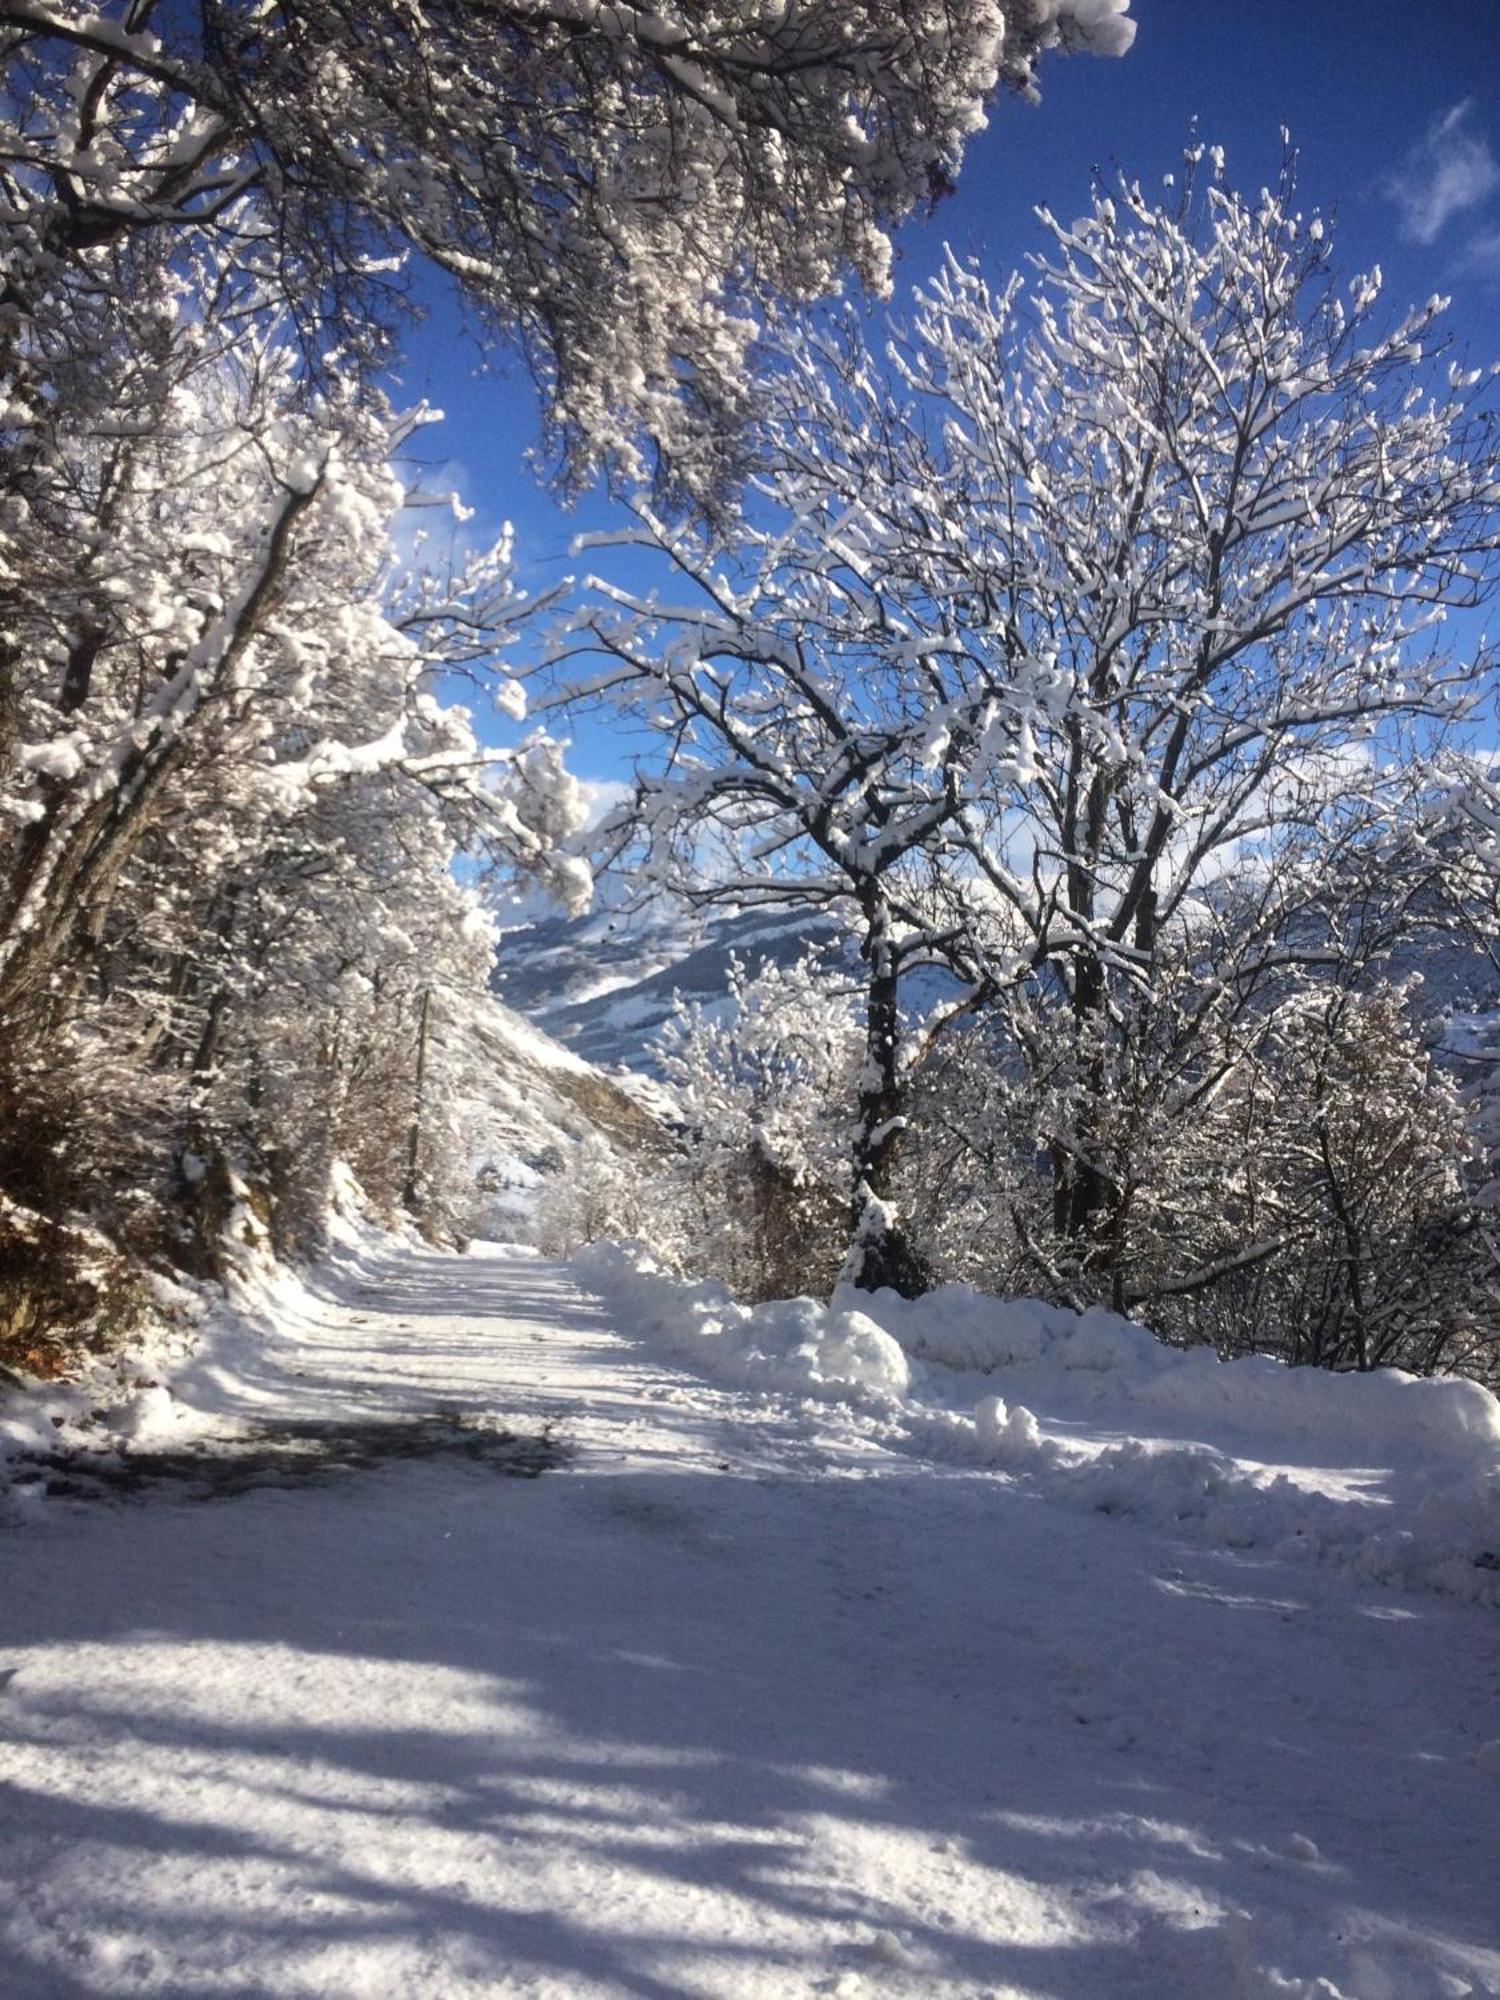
(794, 1345)
(119, 1404)
(147, 1418)
(1008, 1436)
(1394, 1479)
(1379, 1415)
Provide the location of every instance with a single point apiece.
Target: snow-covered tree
(1081, 639)
(761, 1090)
(1311, 1196)
(612, 187)
(333, 1022)
(232, 799)
(767, 1090)
(207, 605)
(1341, 1153)
(795, 771)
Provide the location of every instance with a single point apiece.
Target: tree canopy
(613, 187)
(1086, 641)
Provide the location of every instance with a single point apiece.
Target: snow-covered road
(736, 1702)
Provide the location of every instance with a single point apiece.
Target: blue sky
(1394, 107)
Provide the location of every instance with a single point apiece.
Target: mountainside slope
(605, 984)
(542, 1093)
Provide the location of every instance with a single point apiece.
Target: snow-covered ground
(794, 1677)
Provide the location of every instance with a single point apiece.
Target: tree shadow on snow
(917, 1706)
(672, 1731)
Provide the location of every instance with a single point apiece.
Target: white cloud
(1450, 170)
(602, 796)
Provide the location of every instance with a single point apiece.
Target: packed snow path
(736, 1702)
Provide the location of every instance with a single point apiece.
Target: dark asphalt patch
(289, 1454)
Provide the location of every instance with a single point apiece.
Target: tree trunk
(1087, 1205)
(411, 1192)
(881, 1252)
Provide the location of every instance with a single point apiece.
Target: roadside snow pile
(120, 1404)
(1393, 1478)
(178, 1384)
(1106, 1359)
(36, 1422)
(1423, 1528)
(794, 1345)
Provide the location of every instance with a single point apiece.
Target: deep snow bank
(1401, 1486)
(788, 1344)
(1111, 1360)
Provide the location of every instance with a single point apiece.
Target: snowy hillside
(604, 984)
(536, 1102)
(541, 1094)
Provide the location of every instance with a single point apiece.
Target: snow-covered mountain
(603, 985)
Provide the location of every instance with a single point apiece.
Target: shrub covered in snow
(753, 1190)
(1305, 1183)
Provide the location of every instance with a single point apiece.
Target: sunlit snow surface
(765, 1691)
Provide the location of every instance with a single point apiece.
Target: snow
(537, 1047)
(792, 1344)
(1102, 27)
(114, 1402)
(1386, 1411)
(1393, 1478)
(768, 1689)
(60, 759)
(147, 1418)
